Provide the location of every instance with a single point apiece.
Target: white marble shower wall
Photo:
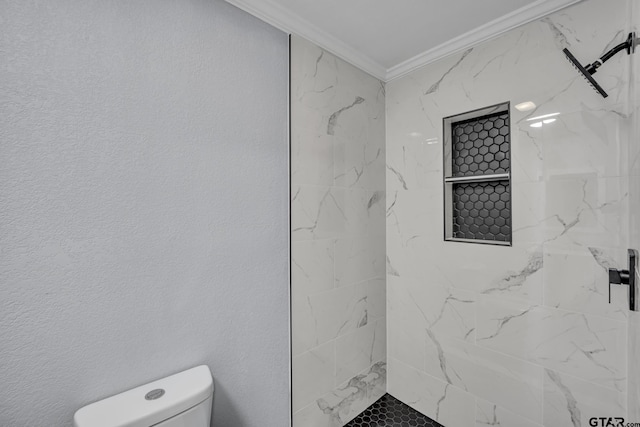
(338, 238)
(634, 221)
(523, 335)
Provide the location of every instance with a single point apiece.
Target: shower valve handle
(626, 277)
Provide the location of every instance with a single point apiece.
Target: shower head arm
(629, 45)
(587, 71)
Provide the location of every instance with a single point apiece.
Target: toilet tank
(181, 400)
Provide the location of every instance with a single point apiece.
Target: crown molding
(495, 28)
(289, 22)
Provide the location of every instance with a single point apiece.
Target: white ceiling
(389, 38)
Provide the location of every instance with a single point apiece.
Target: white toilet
(181, 400)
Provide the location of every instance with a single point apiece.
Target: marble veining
(517, 279)
(490, 414)
(558, 34)
(602, 258)
(434, 87)
(501, 322)
(443, 363)
(357, 389)
(376, 197)
(399, 177)
(572, 405)
(333, 120)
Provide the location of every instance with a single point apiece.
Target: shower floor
(390, 412)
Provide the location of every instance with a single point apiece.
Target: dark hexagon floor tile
(390, 412)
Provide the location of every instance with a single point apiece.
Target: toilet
(181, 400)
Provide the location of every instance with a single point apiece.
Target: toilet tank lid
(148, 405)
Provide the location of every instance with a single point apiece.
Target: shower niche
(477, 176)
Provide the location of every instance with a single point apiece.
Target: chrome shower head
(586, 74)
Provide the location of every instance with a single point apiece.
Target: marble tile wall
(338, 238)
(633, 401)
(522, 335)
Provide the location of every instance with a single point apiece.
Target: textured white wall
(143, 213)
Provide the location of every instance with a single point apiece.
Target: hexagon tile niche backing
(481, 211)
(390, 412)
(481, 146)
